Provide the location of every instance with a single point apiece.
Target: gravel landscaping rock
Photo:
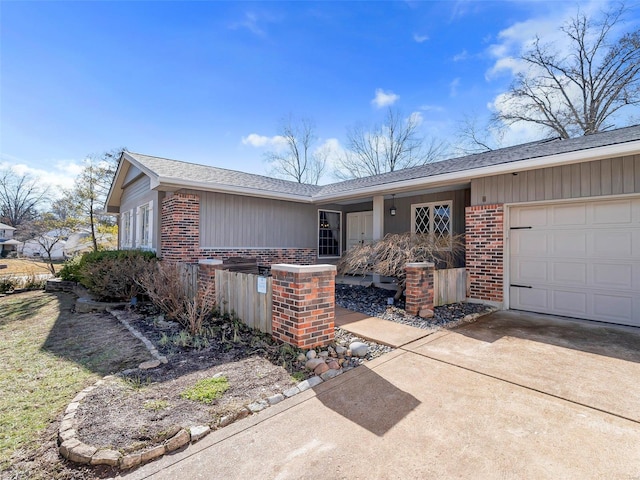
(373, 301)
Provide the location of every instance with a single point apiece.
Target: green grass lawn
(47, 355)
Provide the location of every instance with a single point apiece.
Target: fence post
(207, 276)
(419, 287)
(303, 304)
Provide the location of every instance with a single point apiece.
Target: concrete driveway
(513, 395)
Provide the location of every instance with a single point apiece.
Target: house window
(329, 233)
(144, 228)
(433, 219)
(125, 225)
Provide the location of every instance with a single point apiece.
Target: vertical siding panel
(595, 178)
(557, 182)
(548, 183)
(616, 176)
(508, 182)
(500, 187)
(493, 189)
(605, 176)
(539, 174)
(476, 191)
(636, 170)
(585, 179)
(627, 174)
(522, 189)
(531, 185)
(566, 181)
(575, 180)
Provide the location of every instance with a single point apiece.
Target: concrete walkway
(510, 396)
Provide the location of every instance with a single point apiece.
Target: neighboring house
(8, 243)
(551, 226)
(69, 245)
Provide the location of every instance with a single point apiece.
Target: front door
(359, 228)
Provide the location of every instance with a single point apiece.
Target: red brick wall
(303, 304)
(419, 287)
(180, 228)
(265, 256)
(485, 251)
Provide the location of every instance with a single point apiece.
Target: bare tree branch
(299, 158)
(393, 145)
(20, 197)
(579, 93)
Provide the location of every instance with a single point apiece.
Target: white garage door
(577, 259)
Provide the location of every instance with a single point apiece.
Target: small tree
(577, 93)
(299, 159)
(48, 231)
(390, 146)
(389, 256)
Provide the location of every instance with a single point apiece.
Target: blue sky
(208, 82)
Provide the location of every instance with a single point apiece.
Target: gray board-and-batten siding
(612, 176)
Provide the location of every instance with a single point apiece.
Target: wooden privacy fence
(242, 294)
(189, 274)
(449, 286)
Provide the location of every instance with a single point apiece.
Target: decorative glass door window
(329, 233)
(433, 219)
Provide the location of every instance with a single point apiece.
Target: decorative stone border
(122, 316)
(71, 448)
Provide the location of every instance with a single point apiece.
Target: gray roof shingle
(190, 172)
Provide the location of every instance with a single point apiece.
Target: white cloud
(61, 176)
(463, 55)
(384, 99)
(250, 22)
(420, 38)
(416, 118)
(255, 140)
(453, 87)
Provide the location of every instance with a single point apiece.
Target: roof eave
(577, 156)
(162, 183)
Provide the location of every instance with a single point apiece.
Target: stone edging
(120, 315)
(71, 448)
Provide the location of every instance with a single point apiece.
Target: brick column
(180, 228)
(418, 287)
(207, 276)
(485, 251)
(304, 304)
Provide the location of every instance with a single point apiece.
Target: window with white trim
(329, 233)
(144, 220)
(433, 219)
(126, 235)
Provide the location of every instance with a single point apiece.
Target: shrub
(34, 283)
(389, 256)
(71, 269)
(168, 289)
(8, 284)
(113, 275)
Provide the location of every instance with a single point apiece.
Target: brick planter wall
(180, 228)
(265, 256)
(419, 287)
(485, 251)
(303, 304)
(207, 276)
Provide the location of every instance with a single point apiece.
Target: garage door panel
(568, 243)
(612, 212)
(536, 216)
(613, 243)
(611, 275)
(579, 259)
(571, 214)
(566, 302)
(612, 308)
(531, 298)
(569, 273)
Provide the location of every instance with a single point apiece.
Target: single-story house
(8, 244)
(550, 226)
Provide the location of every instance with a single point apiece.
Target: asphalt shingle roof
(191, 172)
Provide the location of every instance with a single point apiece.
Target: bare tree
(577, 93)
(474, 137)
(299, 159)
(48, 230)
(91, 189)
(20, 197)
(390, 146)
